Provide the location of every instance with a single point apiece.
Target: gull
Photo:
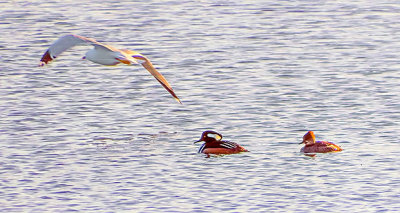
(104, 55)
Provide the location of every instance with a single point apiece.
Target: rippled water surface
(76, 136)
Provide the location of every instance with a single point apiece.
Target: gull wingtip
(46, 58)
(177, 99)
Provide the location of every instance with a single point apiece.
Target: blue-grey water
(77, 136)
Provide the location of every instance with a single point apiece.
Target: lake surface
(77, 136)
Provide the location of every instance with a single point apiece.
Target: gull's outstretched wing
(66, 42)
(146, 63)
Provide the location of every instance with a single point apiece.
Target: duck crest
(309, 138)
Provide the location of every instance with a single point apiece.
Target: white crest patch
(216, 136)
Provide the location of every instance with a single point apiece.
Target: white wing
(66, 42)
(146, 63)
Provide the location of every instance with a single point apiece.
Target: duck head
(210, 136)
(308, 138)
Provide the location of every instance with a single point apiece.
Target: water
(76, 136)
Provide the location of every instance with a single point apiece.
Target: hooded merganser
(313, 146)
(214, 145)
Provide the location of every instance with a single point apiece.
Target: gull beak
(160, 78)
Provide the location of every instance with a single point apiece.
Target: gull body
(105, 55)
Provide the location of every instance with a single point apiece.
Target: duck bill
(198, 141)
(302, 142)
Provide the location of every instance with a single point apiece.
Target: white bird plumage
(104, 55)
